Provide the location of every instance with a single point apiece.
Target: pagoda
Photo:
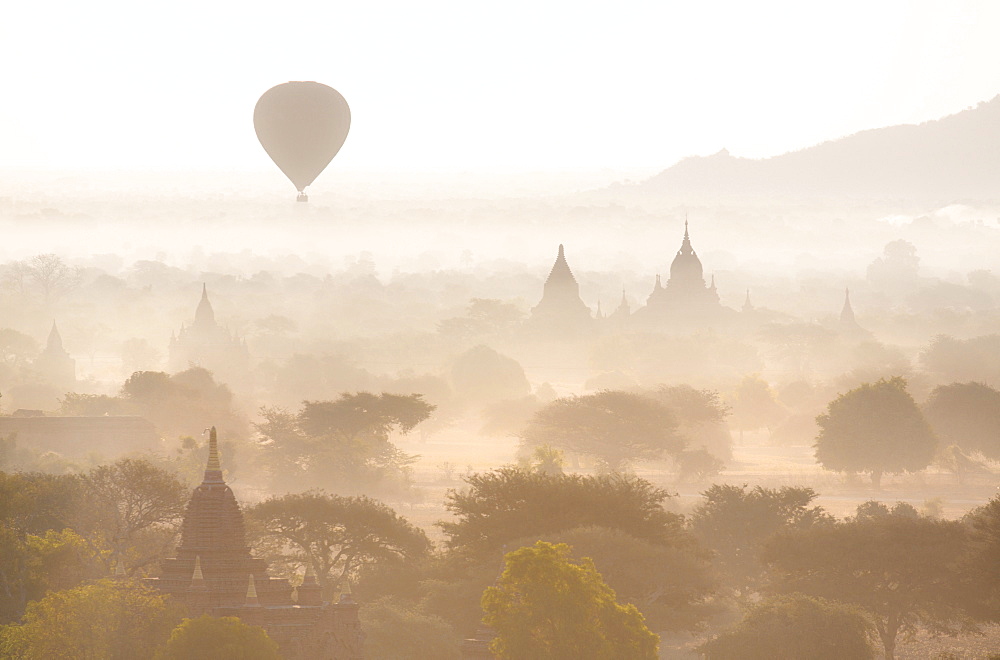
(213, 573)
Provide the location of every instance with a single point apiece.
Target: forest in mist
(398, 407)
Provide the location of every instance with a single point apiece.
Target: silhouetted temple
(207, 344)
(54, 364)
(561, 311)
(685, 300)
(213, 573)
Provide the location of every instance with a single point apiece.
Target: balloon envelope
(301, 126)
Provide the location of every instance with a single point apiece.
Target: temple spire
(747, 305)
(197, 577)
(560, 272)
(54, 343)
(847, 313)
(251, 600)
(204, 316)
(213, 470)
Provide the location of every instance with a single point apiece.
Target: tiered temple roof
(214, 573)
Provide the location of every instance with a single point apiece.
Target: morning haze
(653, 332)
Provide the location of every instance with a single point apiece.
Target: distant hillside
(957, 157)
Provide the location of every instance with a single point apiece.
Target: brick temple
(213, 573)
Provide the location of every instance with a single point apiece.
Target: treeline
(860, 582)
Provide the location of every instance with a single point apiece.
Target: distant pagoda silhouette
(213, 573)
(561, 311)
(207, 344)
(685, 300)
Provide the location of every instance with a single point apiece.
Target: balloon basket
(302, 197)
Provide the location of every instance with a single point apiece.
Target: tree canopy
(335, 535)
(796, 626)
(344, 444)
(212, 638)
(108, 619)
(875, 428)
(904, 570)
(615, 427)
(545, 606)
(966, 415)
(510, 503)
(735, 522)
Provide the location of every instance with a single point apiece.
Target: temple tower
(561, 310)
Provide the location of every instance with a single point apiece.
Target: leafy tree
(394, 631)
(670, 585)
(966, 415)
(736, 522)
(51, 275)
(211, 638)
(335, 535)
(510, 503)
(95, 405)
(187, 401)
(876, 428)
(755, 405)
(615, 427)
(698, 465)
(546, 607)
(796, 626)
(112, 619)
(16, 348)
(482, 376)
(345, 441)
(962, 360)
(701, 417)
(983, 565)
(903, 570)
(133, 508)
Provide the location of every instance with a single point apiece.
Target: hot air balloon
(301, 126)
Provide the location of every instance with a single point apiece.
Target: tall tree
(615, 427)
(337, 536)
(342, 444)
(903, 570)
(966, 415)
(735, 522)
(134, 509)
(875, 428)
(547, 607)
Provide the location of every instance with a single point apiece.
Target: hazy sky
(481, 86)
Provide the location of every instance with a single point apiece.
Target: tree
(755, 406)
(190, 400)
(482, 376)
(112, 619)
(966, 415)
(974, 359)
(509, 503)
(134, 508)
(701, 417)
(342, 444)
(615, 427)
(876, 428)
(670, 585)
(735, 523)
(51, 275)
(211, 638)
(396, 632)
(796, 626)
(983, 564)
(546, 607)
(903, 570)
(337, 536)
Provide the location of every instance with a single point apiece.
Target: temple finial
(119, 568)
(213, 470)
(251, 600)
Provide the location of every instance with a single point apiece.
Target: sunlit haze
(458, 86)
